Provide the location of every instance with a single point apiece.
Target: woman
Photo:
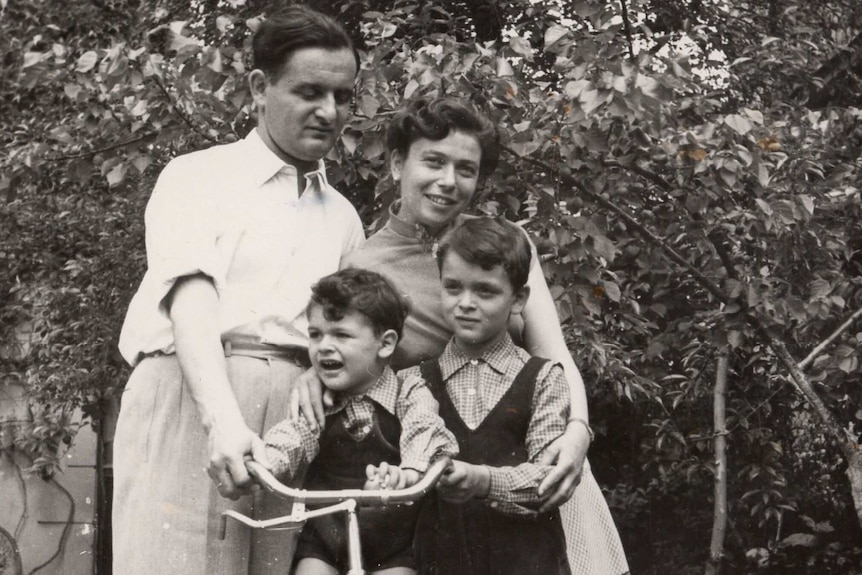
(439, 152)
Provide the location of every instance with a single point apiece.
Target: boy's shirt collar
(498, 357)
(359, 409)
(384, 391)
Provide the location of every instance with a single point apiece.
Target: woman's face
(437, 178)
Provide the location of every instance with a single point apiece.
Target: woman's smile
(437, 178)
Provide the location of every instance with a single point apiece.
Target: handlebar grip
(361, 496)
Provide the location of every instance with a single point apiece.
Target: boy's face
(346, 354)
(477, 303)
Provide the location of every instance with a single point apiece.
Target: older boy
(503, 406)
(380, 430)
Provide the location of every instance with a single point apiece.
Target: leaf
(612, 290)
(848, 364)
(784, 210)
(764, 207)
(72, 91)
(574, 88)
(117, 175)
(655, 349)
(87, 62)
(369, 105)
(734, 338)
(31, 59)
(504, 69)
(738, 123)
(763, 176)
(141, 163)
(604, 247)
(223, 23)
(799, 540)
(807, 202)
(521, 46)
(819, 288)
(590, 101)
(554, 33)
(755, 115)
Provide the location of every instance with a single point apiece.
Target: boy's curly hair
(362, 291)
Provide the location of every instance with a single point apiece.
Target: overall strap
(528, 374)
(431, 373)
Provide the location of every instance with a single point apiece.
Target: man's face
(302, 111)
(346, 353)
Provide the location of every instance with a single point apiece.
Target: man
(236, 236)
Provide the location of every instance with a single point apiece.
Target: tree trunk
(854, 474)
(719, 518)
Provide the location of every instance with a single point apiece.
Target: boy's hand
(386, 476)
(464, 481)
(307, 397)
(567, 453)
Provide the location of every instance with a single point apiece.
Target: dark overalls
(472, 538)
(386, 533)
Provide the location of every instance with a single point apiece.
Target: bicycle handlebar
(363, 497)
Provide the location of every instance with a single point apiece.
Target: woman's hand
(307, 397)
(464, 481)
(567, 453)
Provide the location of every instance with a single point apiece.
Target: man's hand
(464, 481)
(567, 453)
(307, 397)
(230, 445)
(385, 476)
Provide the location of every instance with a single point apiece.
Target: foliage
(613, 132)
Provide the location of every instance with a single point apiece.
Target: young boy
(503, 406)
(355, 319)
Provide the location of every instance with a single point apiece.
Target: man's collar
(262, 163)
(498, 357)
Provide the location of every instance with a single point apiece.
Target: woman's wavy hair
(435, 119)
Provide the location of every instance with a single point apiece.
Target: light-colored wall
(47, 507)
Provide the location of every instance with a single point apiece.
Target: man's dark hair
(436, 119)
(490, 242)
(294, 28)
(364, 292)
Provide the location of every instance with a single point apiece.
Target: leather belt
(293, 354)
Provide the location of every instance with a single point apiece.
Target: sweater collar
(418, 232)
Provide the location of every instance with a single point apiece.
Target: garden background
(689, 169)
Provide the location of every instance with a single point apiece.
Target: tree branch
(832, 337)
(833, 429)
(90, 154)
(628, 28)
(673, 255)
(181, 114)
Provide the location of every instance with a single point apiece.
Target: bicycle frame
(346, 500)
